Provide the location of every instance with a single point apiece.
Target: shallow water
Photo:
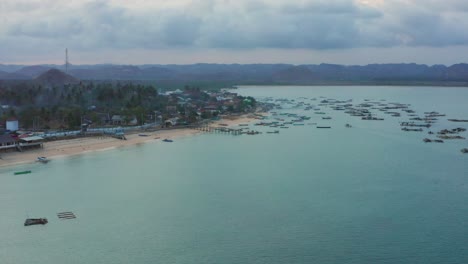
(369, 194)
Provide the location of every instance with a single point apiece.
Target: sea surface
(367, 194)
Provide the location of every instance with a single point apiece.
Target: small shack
(33, 141)
(7, 142)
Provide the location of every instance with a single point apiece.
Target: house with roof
(31, 141)
(7, 142)
(12, 124)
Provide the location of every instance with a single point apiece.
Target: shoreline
(80, 146)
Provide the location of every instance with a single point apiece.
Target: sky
(234, 31)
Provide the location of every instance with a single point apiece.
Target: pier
(222, 130)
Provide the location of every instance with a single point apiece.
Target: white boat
(42, 159)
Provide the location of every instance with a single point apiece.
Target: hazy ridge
(402, 73)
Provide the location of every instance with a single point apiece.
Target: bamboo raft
(66, 215)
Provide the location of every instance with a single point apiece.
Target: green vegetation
(111, 103)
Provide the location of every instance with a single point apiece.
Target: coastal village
(187, 108)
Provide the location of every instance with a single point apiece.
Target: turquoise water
(368, 194)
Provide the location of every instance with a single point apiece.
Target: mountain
(3, 74)
(33, 71)
(391, 73)
(296, 74)
(54, 77)
(457, 72)
(12, 76)
(10, 67)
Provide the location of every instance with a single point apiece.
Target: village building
(7, 142)
(12, 124)
(32, 141)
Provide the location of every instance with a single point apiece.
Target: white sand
(69, 147)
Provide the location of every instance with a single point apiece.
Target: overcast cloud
(39, 30)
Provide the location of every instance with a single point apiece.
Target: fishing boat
(168, 140)
(22, 172)
(35, 221)
(42, 159)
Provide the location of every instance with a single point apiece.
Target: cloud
(46, 25)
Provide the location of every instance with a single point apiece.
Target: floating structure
(412, 124)
(66, 215)
(427, 140)
(452, 131)
(412, 129)
(252, 132)
(450, 137)
(458, 120)
(35, 221)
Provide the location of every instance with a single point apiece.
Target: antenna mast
(66, 60)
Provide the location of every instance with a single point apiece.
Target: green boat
(22, 172)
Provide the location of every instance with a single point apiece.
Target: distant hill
(54, 77)
(393, 73)
(12, 76)
(2, 74)
(297, 74)
(33, 71)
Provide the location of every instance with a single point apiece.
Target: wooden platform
(66, 215)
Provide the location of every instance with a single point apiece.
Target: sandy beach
(69, 147)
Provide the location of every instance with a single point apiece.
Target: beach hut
(33, 141)
(7, 142)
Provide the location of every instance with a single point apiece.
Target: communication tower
(66, 60)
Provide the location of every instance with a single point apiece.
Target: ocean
(367, 194)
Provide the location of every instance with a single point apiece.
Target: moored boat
(22, 172)
(42, 159)
(35, 221)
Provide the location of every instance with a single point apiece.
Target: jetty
(221, 130)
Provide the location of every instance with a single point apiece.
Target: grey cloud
(242, 24)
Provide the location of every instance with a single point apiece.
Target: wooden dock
(222, 130)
